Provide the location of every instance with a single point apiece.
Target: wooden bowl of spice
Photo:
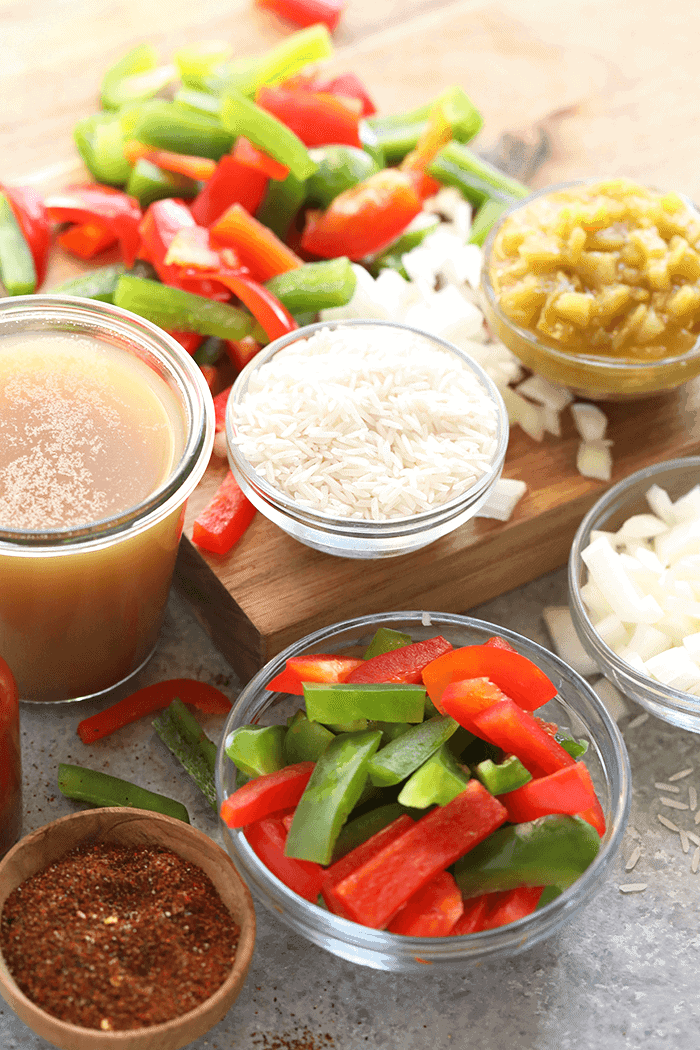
(122, 930)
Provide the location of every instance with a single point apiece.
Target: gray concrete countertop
(623, 974)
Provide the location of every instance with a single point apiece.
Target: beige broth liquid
(87, 431)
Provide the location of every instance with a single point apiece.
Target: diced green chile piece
(363, 827)
(147, 183)
(305, 741)
(504, 776)
(338, 169)
(283, 199)
(550, 851)
(100, 789)
(315, 285)
(181, 311)
(331, 794)
(385, 640)
(181, 129)
(477, 180)
(398, 133)
(242, 117)
(256, 750)
(486, 217)
(17, 270)
(436, 782)
(398, 759)
(95, 284)
(344, 701)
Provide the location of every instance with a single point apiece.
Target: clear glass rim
(90, 316)
(312, 921)
(602, 364)
(613, 500)
(355, 527)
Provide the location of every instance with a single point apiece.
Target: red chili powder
(118, 937)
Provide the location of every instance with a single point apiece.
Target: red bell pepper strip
(248, 154)
(593, 814)
(405, 664)
(211, 376)
(258, 247)
(205, 697)
(86, 239)
(220, 402)
(432, 911)
(231, 183)
(274, 318)
(113, 209)
(316, 118)
(500, 643)
(471, 919)
(199, 168)
(468, 697)
(189, 341)
(510, 905)
(518, 733)
(373, 893)
(316, 667)
(266, 794)
(266, 838)
(518, 677)
(347, 85)
(305, 13)
(241, 351)
(364, 219)
(164, 221)
(568, 790)
(223, 521)
(358, 856)
(30, 212)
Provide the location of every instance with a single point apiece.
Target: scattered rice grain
(633, 887)
(667, 787)
(633, 858)
(639, 721)
(692, 798)
(680, 776)
(695, 862)
(426, 619)
(667, 823)
(673, 803)
(693, 838)
(685, 841)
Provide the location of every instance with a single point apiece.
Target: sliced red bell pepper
(373, 893)
(305, 13)
(568, 790)
(189, 249)
(471, 919)
(152, 698)
(164, 221)
(364, 219)
(316, 667)
(220, 402)
(400, 665)
(248, 154)
(231, 183)
(468, 697)
(432, 911)
(510, 905)
(241, 351)
(274, 318)
(266, 838)
(211, 377)
(266, 794)
(500, 643)
(359, 856)
(518, 677)
(318, 119)
(86, 239)
(113, 209)
(223, 521)
(258, 247)
(199, 168)
(31, 214)
(593, 814)
(517, 732)
(347, 85)
(189, 341)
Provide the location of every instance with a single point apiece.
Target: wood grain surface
(615, 88)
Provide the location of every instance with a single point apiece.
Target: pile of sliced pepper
(416, 791)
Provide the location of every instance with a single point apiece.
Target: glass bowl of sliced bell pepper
(380, 828)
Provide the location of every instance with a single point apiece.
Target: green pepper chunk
(283, 199)
(256, 750)
(506, 776)
(389, 730)
(338, 169)
(147, 183)
(201, 101)
(242, 117)
(100, 142)
(363, 827)
(488, 214)
(141, 59)
(17, 269)
(385, 640)
(96, 284)
(331, 794)
(181, 129)
(209, 351)
(398, 133)
(315, 285)
(477, 180)
(339, 702)
(550, 851)
(398, 759)
(305, 741)
(180, 311)
(281, 62)
(576, 748)
(440, 779)
(101, 789)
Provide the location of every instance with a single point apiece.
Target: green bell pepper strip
(200, 101)
(147, 183)
(339, 168)
(240, 116)
(397, 134)
(504, 776)
(198, 60)
(389, 730)
(181, 129)
(256, 750)
(386, 639)
(209, 352)
(17, 269)
(398, 759)
(331, 794)
(576, 748)
(99, 140)
(361, 828)
(337, 702)
(440, 779)
(180, 311)
(141, 59)
(283, 199)
(315, 285)
(281, 62)
(184, 737)
(477, 180)
(306, 741)
(100, 789)
(95, 284)
(486, 217)
(551, 851)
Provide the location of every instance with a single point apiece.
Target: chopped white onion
(594, 460)
(608, 572)
(566, 641)
(523, 412)
(502, 499)
(545, 393)
(590, 421)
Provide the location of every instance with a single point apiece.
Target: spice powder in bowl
(365, 439)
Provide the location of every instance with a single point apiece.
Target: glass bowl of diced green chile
(412, 787)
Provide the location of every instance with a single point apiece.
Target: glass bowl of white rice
(634, 588)
(365, 439)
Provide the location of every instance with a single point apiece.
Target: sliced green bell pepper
(315, 285)
(100, 789)
(181, 311)
(305, 741)
(398, 133)
(363, 827)
(240, 116)
(282, 201)
(338, 702)
(95, 284)
(488, 214)
(339, 168)
(440, 779)
(147, 183)
(477, 180)
(257, 749)
(281, 62)
(506, 776)
(99, 139)
(141, 59)
(181, 129)
(398, 759)
(17, 269)
(385, 640)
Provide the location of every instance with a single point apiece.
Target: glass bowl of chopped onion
(634, 588)
(594, 285)
(365, 439)
(579, 714)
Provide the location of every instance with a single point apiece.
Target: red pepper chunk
(232, 183)
(316, 667)
(220, 402)
(150, 699)
(464, 699)
(266, 794)
(518, 733)
(246, 153)
(307, 12)
(568, 790)
(258, 247)
(400, 665)
(316, 118)
(113, 209)
(359, 856)
(518, 677)
(374, 892)
(31, 214)
(266, 838)
(265, 307)
(510, 905)
(432, 911)
(472, 917)
(86, 239)
(224, 520)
